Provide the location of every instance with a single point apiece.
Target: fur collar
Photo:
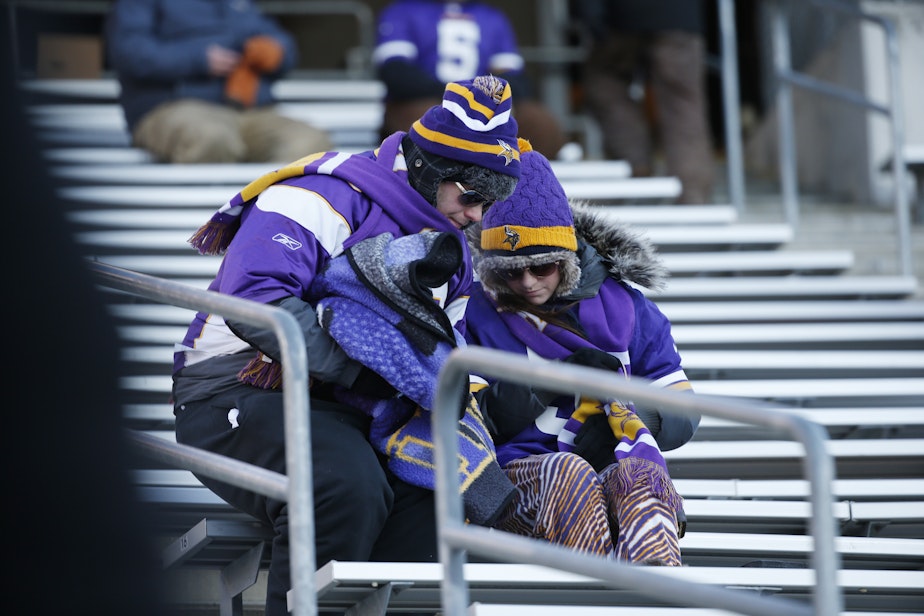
(629, 254)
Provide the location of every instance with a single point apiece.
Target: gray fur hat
(425, 172)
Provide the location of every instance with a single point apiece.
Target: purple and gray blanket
(378, 304)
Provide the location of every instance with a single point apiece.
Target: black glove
(595, 442)
(594, 358)
(467, 400)
(651, 418)
(508, 408)
(370, 383)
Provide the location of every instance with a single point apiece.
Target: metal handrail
(788, 77)
(456, 538)
(731, 110)
(296, 489)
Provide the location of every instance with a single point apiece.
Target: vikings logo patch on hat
(533, 226)
(511, 237)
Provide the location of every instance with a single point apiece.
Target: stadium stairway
(812, 320)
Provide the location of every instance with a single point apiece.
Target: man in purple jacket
(279, 233)
(423, 44)
(195, 81)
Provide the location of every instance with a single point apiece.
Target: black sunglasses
(471, 198)
(538, 271)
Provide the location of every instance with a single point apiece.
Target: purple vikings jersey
(619, 320)
(452, 41)
(292, 231)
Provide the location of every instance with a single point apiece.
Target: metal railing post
(457, 538)
(787, 150)
(734, 156)
(787, 78)
(899, 170)
(296, 409)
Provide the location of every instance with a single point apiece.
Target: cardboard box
(69, 56)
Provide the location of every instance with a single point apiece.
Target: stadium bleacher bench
(346, 584)
(840, 422)
(689, 312)
(889, 335)
(802, 311)
(791, 287)
(779, 459)
(289, 89)
(801, 361)
(704, 237)
(143, 171)
(766, 263)
(488, 609)
(693, 264)
(737, 549)
(786, 489)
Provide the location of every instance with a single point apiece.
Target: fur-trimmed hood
(627, 254)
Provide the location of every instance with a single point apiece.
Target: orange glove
(262, 54)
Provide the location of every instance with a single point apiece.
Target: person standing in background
(196, 81)
(651, 48)
(424, 44)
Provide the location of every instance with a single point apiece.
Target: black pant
(361, 511)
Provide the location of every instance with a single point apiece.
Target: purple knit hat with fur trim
(533, 226)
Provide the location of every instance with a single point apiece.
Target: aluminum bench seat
(755, 262)
(289, 88)
(108, 117)
(816, 310)
(840, 422)
(724, 363)
(805, 287)
(681, 312)
(702, 365)
(694, 265)
(868, 392)
(155, 194)
(146, 171)
(690, 336)
(706, 238)
(800, 335)
(862, 458)
(489, 609)
(879, 489)
(737, 549)
(346, 584)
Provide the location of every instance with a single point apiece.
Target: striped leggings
(561, 499)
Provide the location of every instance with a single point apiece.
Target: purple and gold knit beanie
(471, 137)
(533, 226)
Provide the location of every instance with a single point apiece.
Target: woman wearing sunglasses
(558, 283)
